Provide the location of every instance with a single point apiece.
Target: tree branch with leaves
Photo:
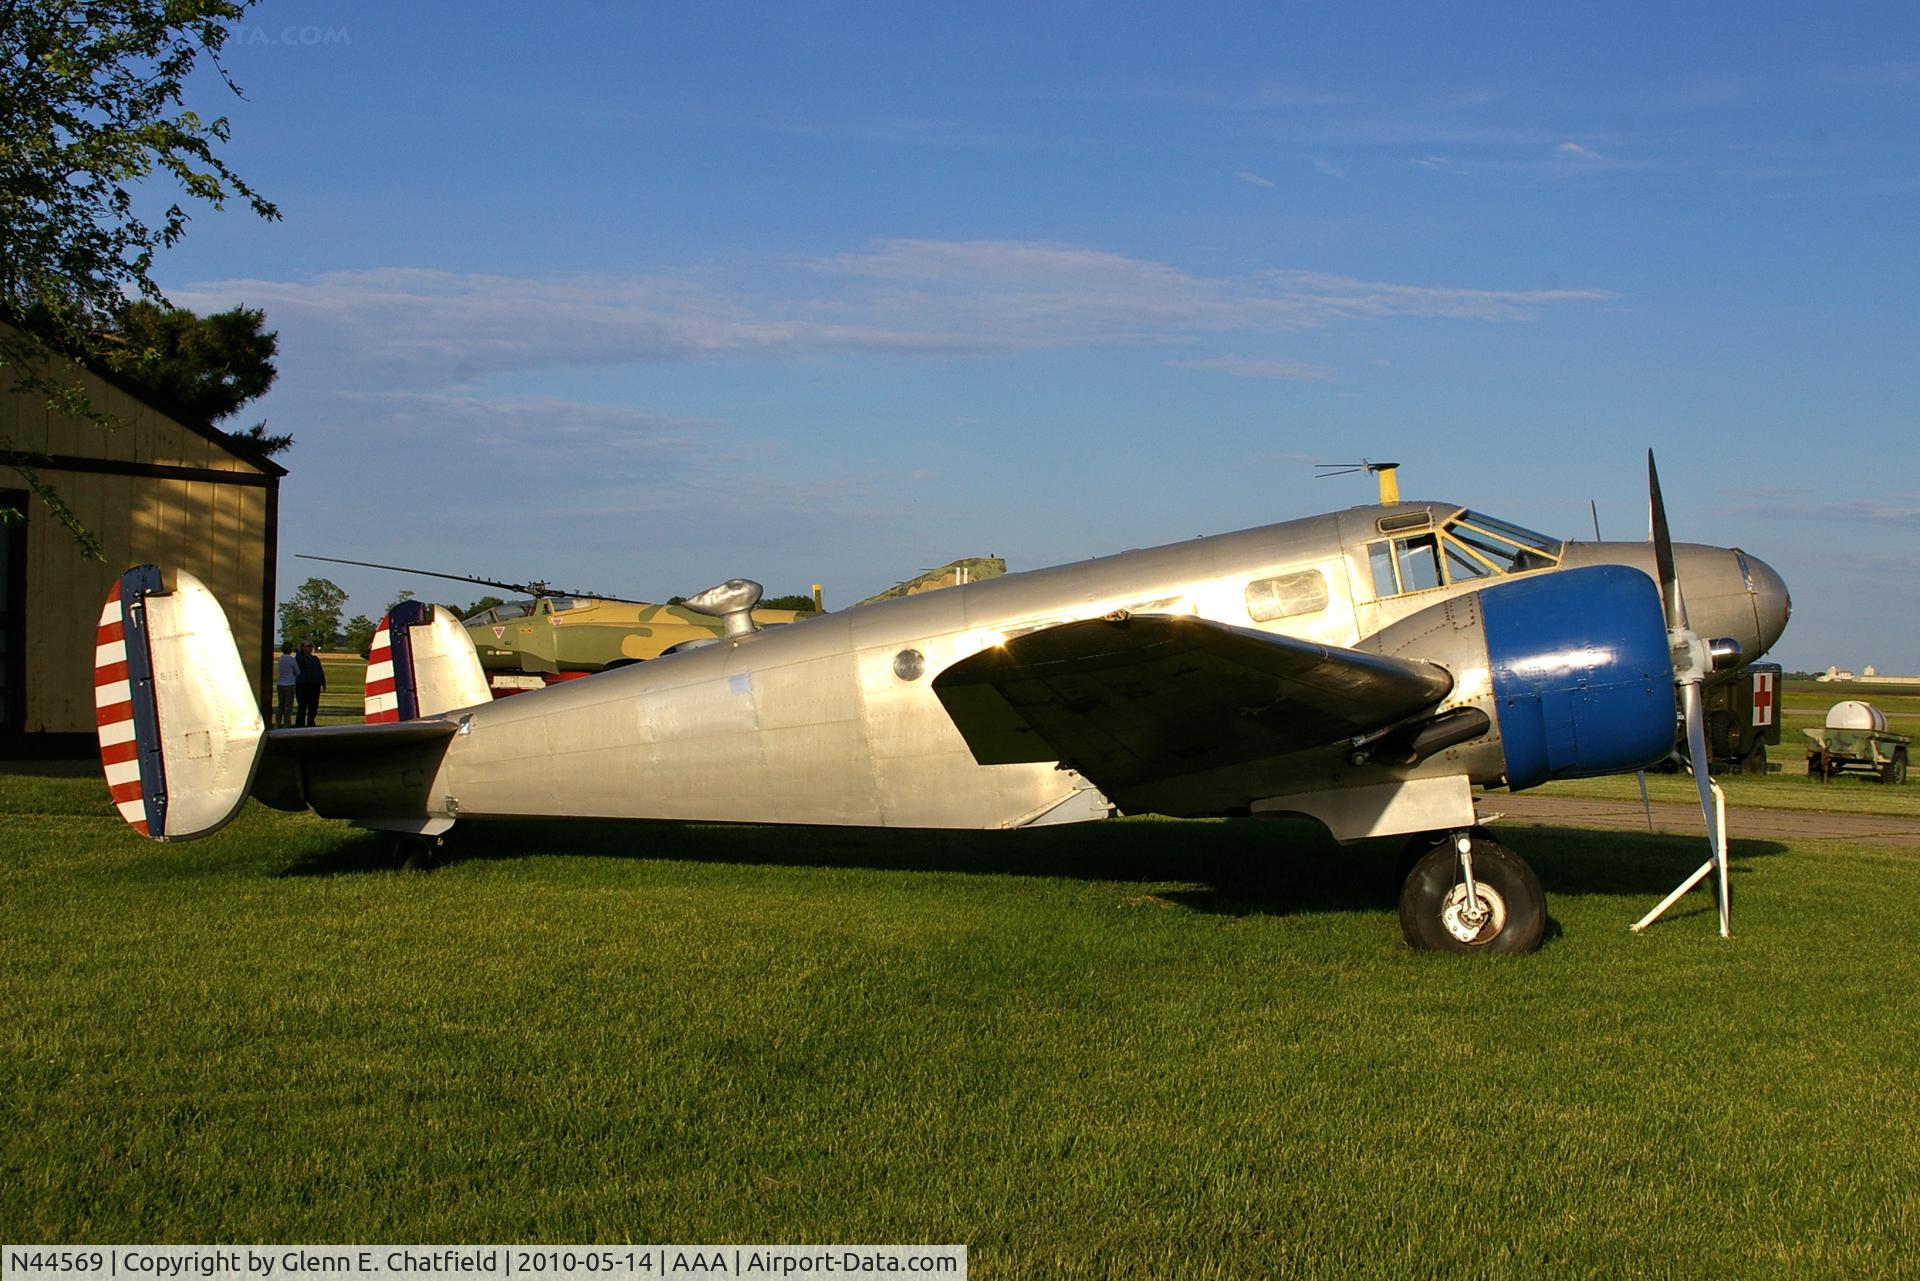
(92, 107)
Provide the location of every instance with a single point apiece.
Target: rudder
(179, 726)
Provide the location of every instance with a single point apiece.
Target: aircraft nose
(1732, 594)
(1772, 603)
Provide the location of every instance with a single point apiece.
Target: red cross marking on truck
(1763, 698)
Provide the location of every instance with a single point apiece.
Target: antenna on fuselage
(1385, 473)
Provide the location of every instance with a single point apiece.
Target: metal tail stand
(1718, 863)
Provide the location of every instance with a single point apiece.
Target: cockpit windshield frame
(1466, 547)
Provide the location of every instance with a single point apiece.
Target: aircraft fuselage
(835, 721)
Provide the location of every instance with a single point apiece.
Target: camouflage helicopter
(558, 635)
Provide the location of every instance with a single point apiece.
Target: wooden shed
(158, 490)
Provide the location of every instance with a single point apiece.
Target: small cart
(1855, 740)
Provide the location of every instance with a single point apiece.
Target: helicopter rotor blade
(536, 589)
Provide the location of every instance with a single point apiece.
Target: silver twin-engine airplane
(1369, 668)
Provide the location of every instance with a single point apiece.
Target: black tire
(416, 853)
(1895, 770)
(1432, 899)
(1756, 760)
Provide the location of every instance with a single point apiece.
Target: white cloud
(1574, 151)
(1329, 169)
(1254, 179)
(414, 328)
(1254, 367)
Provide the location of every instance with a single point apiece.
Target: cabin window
(1286, 595)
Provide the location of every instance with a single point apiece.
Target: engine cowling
(1582, 678)
(1578, 678)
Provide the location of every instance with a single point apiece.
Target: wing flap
(1132, 698)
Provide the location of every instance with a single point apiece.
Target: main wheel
(1436, 916)
(1895, 770)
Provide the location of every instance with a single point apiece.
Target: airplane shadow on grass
(1237, 867)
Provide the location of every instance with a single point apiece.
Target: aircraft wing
(1130, 699)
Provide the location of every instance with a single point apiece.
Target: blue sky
(641, 297)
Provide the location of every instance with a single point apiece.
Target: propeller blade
(1696, 708)
(1692, 661)
(1670, 597)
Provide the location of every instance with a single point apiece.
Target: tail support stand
(1718, 863)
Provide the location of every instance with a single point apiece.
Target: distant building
(161, 490)
(1867, 673)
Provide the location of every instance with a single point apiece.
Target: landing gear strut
(412, 853)
(1469, 893)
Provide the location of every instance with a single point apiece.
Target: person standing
(286, 672)
(311, 679)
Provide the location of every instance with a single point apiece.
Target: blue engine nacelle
(1581, 675)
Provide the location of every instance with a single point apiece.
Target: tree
(359, 634)
(207, 367)
(91, 104)
(313, 614)
(798, 603)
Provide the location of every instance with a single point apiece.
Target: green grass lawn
(1140, 1048)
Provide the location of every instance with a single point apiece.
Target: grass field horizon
(1155, 1048)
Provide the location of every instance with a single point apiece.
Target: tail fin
(422, 663)
(179, 725)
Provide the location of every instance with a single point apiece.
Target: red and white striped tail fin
(113, 714)
(422, 663)
(179, 726)
(382, 696)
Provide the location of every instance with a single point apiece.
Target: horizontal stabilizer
(1131, 699)
(179, 726)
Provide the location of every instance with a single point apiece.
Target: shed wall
(154, 491)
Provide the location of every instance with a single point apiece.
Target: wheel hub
(1469, 926)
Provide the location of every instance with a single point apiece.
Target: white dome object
(1854, 714)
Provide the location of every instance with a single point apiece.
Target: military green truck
(1743, 719)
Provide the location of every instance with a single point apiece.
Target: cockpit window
(501, 613)
(1468, 547)
(1506, 548)
(1405, 565)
